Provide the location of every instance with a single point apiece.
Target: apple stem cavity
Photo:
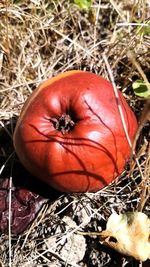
(64, 124)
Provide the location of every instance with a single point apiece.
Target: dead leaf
(129, 234)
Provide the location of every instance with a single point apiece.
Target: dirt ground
(38, 40)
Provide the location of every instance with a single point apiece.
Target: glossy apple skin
(89, 155)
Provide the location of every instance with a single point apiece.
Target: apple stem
(64, 124)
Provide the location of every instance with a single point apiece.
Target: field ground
(38, 40)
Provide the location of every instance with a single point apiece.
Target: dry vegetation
(39, 39)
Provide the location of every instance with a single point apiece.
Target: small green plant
(145, 30)
(140, 88)
(83, 4)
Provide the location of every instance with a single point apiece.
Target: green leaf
(83, 4)
(140, 88)
(145, 30)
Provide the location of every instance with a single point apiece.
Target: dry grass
(39, 39)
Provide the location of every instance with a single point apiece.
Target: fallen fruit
(24, 208)
(70, 133)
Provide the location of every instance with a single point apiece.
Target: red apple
(70, 133)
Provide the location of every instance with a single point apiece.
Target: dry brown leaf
(129, 234)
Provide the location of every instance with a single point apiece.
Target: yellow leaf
(129, 234)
